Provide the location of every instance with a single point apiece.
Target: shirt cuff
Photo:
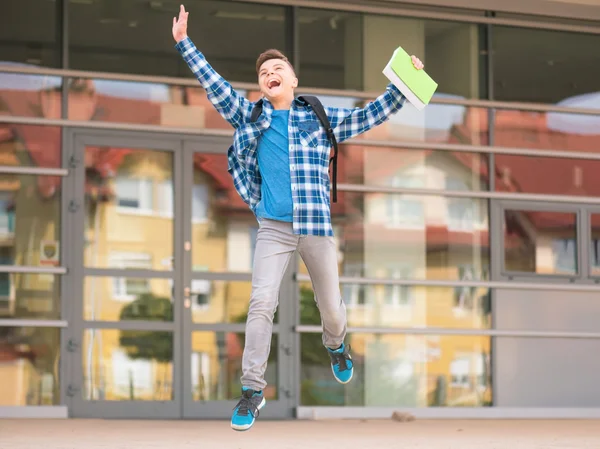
(184, 44)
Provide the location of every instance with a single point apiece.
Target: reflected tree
(148, 344)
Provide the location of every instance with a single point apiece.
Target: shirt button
(293, 167)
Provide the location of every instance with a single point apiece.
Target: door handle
(186, 291)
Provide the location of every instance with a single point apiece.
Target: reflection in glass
(404, 306)
(133, 44)
(550, 130)
(30, 39)
(31, 146)
(220, 301)
(129, 208)
(547, 175)
(30, 96)
(411, 236)
(540, 242)
(413, 168)
(332, 44)
(29, 366)
(223, 228)
(128, 298)
(438, 123)
(29, 296)
(549, 56)
(127, 365)
(595, 249)
(29, 220)
(401, 371)
(217, 366)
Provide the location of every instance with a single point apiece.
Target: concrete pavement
(345, 434)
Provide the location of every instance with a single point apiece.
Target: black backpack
(318, 109)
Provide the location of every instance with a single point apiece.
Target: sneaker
(341, 364)
(246, 410)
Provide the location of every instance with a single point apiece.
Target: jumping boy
(279, 166)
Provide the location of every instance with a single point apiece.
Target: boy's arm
(230, 104)
(348, 123)
(233, 107)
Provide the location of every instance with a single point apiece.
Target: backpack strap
(256, 111)
(318, 109)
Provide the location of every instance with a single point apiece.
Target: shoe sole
(339, 381)
(247, 426)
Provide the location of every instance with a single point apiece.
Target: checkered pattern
(309, 147)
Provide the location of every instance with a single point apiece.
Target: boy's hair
(271, 54)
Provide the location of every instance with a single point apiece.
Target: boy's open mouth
(273, 83)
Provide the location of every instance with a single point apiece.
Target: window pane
(545, 175)
(540, 242)
(412, 168)
(549, 130)
(437, 123)
(29, 96)
(217, 366)
(401, 371)
(30, 220)
(127, 365)
(333, 48)
(423, 236)
(126, 298)
(549, 57)
(29, 296)
(221, 301)
(403, 306)
(30, 146)
(112, 36)
(28, 33)
(29, 368)
(222, 225)
(128, 225)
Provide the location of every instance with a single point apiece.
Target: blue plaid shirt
(309, 147)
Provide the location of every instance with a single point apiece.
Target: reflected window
(134, 193)
(540, 242)
(127, 289)
(406, 211)
(201, 293)
(199, 202)
(400, 295)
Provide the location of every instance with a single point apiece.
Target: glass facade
(126, 253)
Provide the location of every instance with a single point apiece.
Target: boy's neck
(282, 103)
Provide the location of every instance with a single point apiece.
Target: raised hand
(180, 25)
(417, 62)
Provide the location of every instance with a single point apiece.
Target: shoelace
(245, 405)
(342, 359)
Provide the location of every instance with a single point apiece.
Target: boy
(279, 165)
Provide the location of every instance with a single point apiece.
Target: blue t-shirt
(274, 165)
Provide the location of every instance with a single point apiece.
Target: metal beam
(312, 329)
(569, 199)
(16, 322)
(552, 283)
(32, 270)
(189, 82)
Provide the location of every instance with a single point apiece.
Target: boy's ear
(295, 83)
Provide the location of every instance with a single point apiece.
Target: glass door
(123, 345)
(220, 233)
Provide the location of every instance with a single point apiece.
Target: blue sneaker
(341, 363)
(246, 410)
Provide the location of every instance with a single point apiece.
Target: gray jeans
(275, 246)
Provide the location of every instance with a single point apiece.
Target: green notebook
(416, 85)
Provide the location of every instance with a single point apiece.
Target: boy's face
(277, 80)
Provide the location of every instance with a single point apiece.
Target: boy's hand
(180, 25)
(417, 62)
